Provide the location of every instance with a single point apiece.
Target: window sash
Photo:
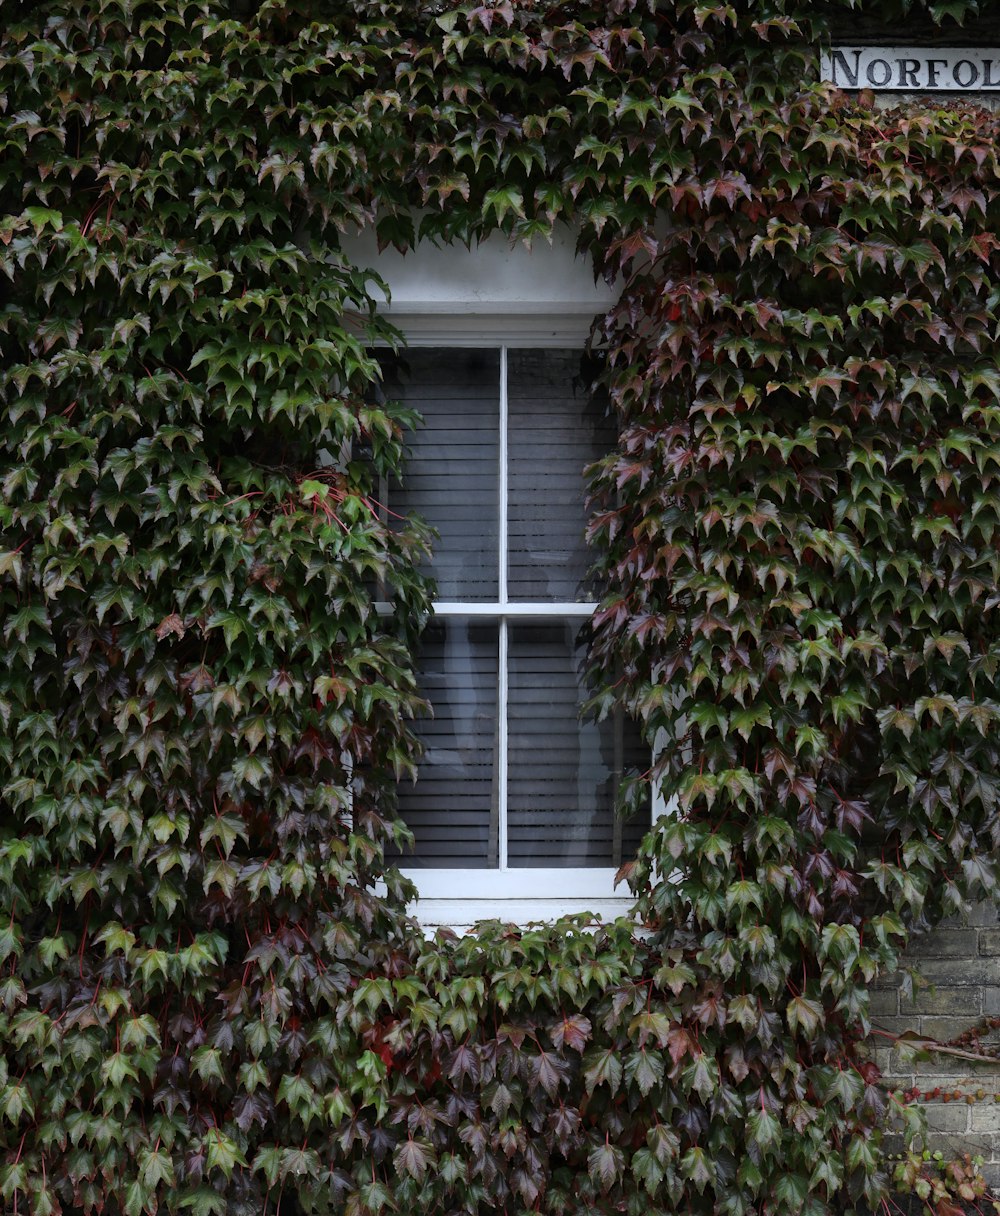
(502, 879)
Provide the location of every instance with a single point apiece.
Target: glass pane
(453, 809)
(451, 475)
(563, 773)
(555, 429)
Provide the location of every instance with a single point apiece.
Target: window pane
(453, 809)
(451, 475)
(563, 772)
(555, 429)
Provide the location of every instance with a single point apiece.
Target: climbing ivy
(209, 1003)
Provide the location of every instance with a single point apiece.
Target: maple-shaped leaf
(414, 1157)
(572, 1031)
(605, 1164)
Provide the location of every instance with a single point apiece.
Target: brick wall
(959, 970)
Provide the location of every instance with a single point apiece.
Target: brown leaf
(170, 624)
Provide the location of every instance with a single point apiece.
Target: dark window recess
(561, 774)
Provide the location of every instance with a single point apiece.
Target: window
(513, 812)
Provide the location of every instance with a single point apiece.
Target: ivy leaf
(572, 1031)
(549, 1072)
(204, 1202)
(602, 1068)
(222, 1153)
(502, 201)
(156, 1167)
(647, 1169)
(763, 1129)
(645, 1070)
(413, 1157)
(804, 1016)
(697, 1166)
(605, 1164)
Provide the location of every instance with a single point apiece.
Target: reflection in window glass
(562, 774)
(453, 808)
(555, 429)
(451, 475)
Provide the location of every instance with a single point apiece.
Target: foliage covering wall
(205, 1008)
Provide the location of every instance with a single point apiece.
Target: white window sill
(462, 915)
(534, 884)
(458, 899)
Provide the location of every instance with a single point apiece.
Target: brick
(932, 1072)
(944, 943)
(893, 1025)
(985, 1117)
(941, 1079)
(943, 1029)
(991, 1172)
(884, 1002)
(903, 1064)
(989, 941)
(986, 914)
(960, 973)
(950, 1143)
(962, 1002)
(888, 979)
(883, 1060)
(947, 1117)
(991, 1000)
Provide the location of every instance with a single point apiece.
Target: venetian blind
(452, 475)
(555, 430)
(562, 773)
(453, 809)
(510, 775)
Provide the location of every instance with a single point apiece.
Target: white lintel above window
(496, 293)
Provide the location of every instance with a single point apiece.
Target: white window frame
(503, 297)
(455, 895)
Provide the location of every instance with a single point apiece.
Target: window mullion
(501, 759)
(503, 477)
(619, 771)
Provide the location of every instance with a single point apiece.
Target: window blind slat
(555, 430)
(562, 777)
(451, 475)
(452, 809)
(562, 774)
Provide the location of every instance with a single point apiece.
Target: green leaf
(156, 1167)
(222, 1153)
(697, 1166)
(602, 1068)
(644, 1069)
(204, 1202)
(805, 1017)
(763, 1130)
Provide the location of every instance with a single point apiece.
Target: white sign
(912, 69)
